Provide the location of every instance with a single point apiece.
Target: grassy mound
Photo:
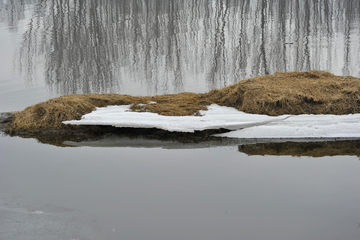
(313, 92)
(50, 114)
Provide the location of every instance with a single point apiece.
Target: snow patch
(214, 118)
(304, 126)
(246, 125)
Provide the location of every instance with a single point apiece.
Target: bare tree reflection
(12, 12)
(101, 46)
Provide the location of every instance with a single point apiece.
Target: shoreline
(312, 92)
(106, 136)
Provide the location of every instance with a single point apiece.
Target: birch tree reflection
(12, 12)
(165, 45)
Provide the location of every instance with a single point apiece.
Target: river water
(151, 189)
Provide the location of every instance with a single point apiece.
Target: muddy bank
(313, 92)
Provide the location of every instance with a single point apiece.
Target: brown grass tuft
(182, 104)
(50, 114)
(313, 92)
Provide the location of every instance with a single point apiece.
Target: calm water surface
(52, 48)
(139, 47)
(214, 193)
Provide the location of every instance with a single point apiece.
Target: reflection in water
(313, 149)
(100, 46)
(107, 136)
(13, 12)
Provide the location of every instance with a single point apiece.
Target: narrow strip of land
(313, 92)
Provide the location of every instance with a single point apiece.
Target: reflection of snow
(250, 125)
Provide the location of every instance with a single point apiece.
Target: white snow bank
(250, 125)
(214, 118)
(304, 126)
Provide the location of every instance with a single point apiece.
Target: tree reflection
(101, 46)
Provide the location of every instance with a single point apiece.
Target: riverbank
(312, 92)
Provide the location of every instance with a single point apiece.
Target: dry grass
(182, 104)
(50, 114)
(313, 92)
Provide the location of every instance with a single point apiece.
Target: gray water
(148, 189)
(166, 46)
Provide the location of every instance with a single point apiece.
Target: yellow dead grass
(314, 92)
(50, 114)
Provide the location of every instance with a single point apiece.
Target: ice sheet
(250, 125)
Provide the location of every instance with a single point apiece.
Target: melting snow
(246, 125)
